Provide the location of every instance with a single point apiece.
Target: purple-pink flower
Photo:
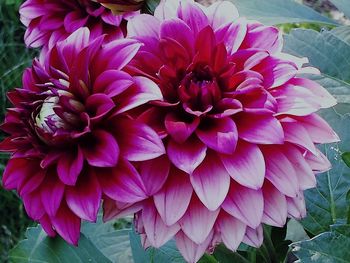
(49, 21)
(71, 138)
(239, 126)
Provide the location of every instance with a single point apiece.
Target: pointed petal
(318, 163)
(115, 210)
(16, 171)
(158, 233)
(122, 183)
(69, 166)
(85, 197)
(254, 237)
(275, 206)
(245, 204)
(231, 230)
(211, 182)
(51, 190)
(154, 173)
(188, 155)
(221, 12)
(192, 15)
(102, 150)
(33, 205)
(198, 221)
(219, 135)
(296, 206)
(173, 199)
(246, 166)
(178, 129)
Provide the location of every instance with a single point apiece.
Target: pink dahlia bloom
(71, 137)
(238, 124)
(49, 21)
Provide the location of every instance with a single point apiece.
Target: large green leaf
(326, 204)
(343, 32)
(329, 247)
(343, 6)
(274, 12)
(99, 243)
(325, 51)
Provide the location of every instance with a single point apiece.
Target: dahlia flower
(49, 21)
(122, 6)
(239, 127)
(71, 137)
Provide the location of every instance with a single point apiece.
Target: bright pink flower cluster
(197, 123)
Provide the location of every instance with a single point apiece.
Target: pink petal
(221, 12)
(102, 150)
(52, 191)
(318, 129)
(112, 82)
(178, 129)
(31, 183)
(45, 223)
(69, 166)
(275, 206)
(260, 129)
(138, 142)
(33, 205)
(154, 173)
(296, 206)
(232, 34)
(173, 199)
(231, 230)
(219, 135)
(319, 162)
(98, 106)
(122, 183)
(254, 237)
(143, 25)
(158, 233)
(192, 15)
(67, 225)
(246, 165)
(211, 182)
(280, 171)
(188, 155)
(191, 251)
(198, 221)
(16, 171)
(115, 210)
(244, 204)
(85, 197)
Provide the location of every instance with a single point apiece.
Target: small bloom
(71, 139)
(49, 21)
(238, 124)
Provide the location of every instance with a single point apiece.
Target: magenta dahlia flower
(71, 137)
(238, 124)
(49, 21)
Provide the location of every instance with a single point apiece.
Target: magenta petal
(231, 230)
(244, 204)
(173, 199)
(45, 223)
(260, 129)
(211, 182)
(246, 165)
(138, 142)
(221, 135)
(191, 251)
(198, 221)
(112, 82)
(32, 183)
(67, 225)
(254, 237)
(51, 191)
(33, 205)
(275, 206)
(192, 15)
(232, 34)
(319, 163)
(122, 183)
(115, 210)
(179, 130)
(16, 171)
(143, 25)
(188, 155)
(102, 150)
(99, 105)
(158, 233)
(280, 171)
(69, 166)
(84, 198)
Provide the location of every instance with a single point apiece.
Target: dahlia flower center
(47, 119)
(199, 89)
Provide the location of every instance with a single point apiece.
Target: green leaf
(274, 12)
(343, 6)
(343, 32)
(327, 247)
(39, 248)
(326, 204)
(346, 158)
(99, 242)
(295, 231)
(224, 255)
(166, 253)
(325, 51)
(150, 6)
